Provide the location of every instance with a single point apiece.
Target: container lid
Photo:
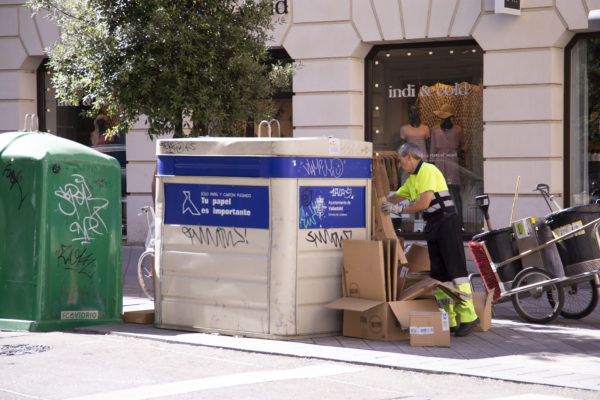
(43, 145)
(487, 235)
(227, 146)
(580, 209)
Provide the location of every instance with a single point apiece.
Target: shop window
(432, 95)
(582, 122)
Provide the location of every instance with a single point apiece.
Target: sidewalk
(563, 353)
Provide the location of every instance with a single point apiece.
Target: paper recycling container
(501, 245)
(579, 253)
(60, 234)
(249, 232)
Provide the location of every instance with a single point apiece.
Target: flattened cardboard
(394, 269)
(402, 281)
(428, 284)
(353, 304)
(429, 329)
(388, 276)
(138, 317)
(364, 269)
(417, 257)
(483, 308)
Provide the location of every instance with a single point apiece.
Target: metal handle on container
(278, 126)
(30, 118)
(268, 124)
(264, 121)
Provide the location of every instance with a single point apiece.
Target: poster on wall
(325, 207)
(217, 205)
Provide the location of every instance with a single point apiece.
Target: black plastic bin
(579, 253)
(501, 245)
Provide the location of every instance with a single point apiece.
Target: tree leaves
(163, 59)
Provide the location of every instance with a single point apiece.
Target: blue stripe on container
(264, 167)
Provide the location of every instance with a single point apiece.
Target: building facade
(515, 87)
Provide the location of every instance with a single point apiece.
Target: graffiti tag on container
(324, 237)
(216, 237)
(177, 147)
(308, 216)
(81, 261)
(78, 202)
(323, 167)
(15, 178)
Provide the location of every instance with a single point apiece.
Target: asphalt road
(62, 365)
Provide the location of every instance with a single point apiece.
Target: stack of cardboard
(382, 286)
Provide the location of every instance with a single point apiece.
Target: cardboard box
(138, 317)
(483, 308)
(364, 269)
(429, 328)
(417, 258)
(379, 320)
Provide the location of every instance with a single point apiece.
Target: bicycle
(146, 261)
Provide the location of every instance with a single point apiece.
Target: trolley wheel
(146, 273)
(580, 299)
(540, 304)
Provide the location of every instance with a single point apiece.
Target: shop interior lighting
(376, 62)
(377, 131)
(376, 108)
(431, 53)
(451, 51)
(409, 54)
(377, 85)
(387, 55)
(474, 51)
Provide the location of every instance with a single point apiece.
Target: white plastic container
(249, 232)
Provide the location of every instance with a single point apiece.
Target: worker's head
(409, 156)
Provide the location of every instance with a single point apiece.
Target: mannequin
(415, 132)
(447, 144)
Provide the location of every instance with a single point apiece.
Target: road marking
(194, 385)
(28, 396)
(531, 396)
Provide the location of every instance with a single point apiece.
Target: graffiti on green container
(14, 177)
(82, 261)
(78, 202)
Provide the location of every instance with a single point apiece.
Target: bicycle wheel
(539, 304)
(580, 299)
(146, 273)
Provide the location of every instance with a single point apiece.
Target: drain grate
(22, 349)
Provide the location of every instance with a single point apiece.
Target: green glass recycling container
(60, 234)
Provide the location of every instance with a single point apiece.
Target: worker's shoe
(465, 309)
(466, 327)
(446, 303)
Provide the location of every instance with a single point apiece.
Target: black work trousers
(446, 251)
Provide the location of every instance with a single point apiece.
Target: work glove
(388, 207)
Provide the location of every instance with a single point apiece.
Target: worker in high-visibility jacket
(426, 190)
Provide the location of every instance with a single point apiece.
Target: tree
(171, 60)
